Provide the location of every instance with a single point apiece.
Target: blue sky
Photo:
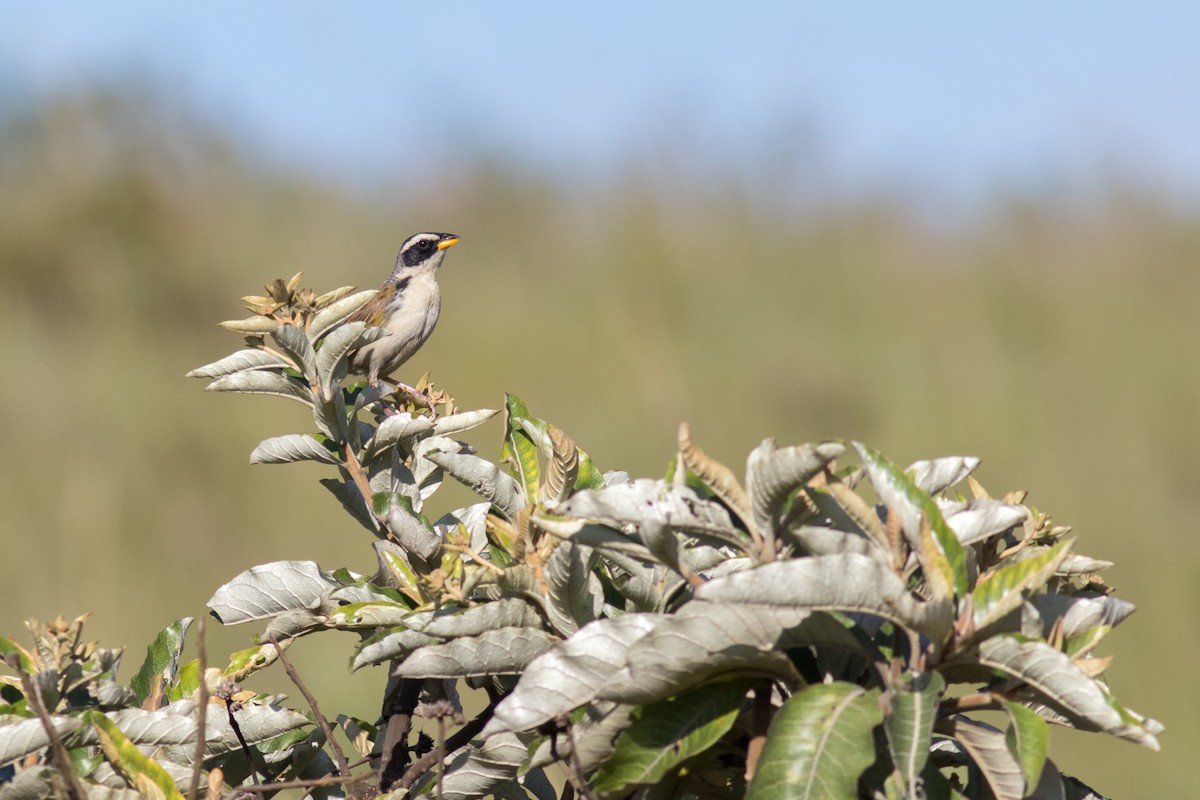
(953, 97)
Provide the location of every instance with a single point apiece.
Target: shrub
(827, 626)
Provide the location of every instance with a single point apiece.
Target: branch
(460, 738)
(62, 759)
(340, 757)
(359, 477)
(201, 717)
(760, 722)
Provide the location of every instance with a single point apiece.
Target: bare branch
(342, 764)
(201, 716)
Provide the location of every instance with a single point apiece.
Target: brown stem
(201, 716)
(58, 751)
(575, 770)
(760, 722)
(459, 738)
(338, 756)
(359, 477)
(981, 701)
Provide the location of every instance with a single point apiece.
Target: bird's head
(424, 251)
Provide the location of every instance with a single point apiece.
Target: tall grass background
(1051, 332)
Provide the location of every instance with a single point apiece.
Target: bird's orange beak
(444, 243)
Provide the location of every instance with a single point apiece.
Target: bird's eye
(424, 244)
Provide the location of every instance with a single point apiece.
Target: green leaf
(188, 682)
(819, 743)
(589, 476)
(1002, 590)
(665, 734)
(141, 772)
(519, 448)
(943, 562)
(19, 654)
(1027, 739)
(290, 448)
(412, 530)
(253, 325)
(909, 724)
(162, 658)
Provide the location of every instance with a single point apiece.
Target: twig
(355, 469)
(328, 780)
(58, 751)
(338, 756)
(459, 738)
(981, 701)
(201, 715)
(760, 722)
(237, 730)
(441, 754)
(575, 769)
(398, 707)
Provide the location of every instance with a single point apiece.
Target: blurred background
(939, 231)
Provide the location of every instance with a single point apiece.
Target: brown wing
(372, 312)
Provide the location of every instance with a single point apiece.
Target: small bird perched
(407, 305)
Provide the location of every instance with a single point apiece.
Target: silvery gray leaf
(1076, 564)
(478, 770)
(241, 361)
(772, 474)
(270, 589)
(1080, 614)
(473, 518)
(262, 382)
(989, 752)
(110, 694)
(253, 325)
(846, 582)
(330, 359)
(411, 533)
(462, 421)
(1050, 673)
(298, 348)
(594, 736)
(816, 540)
(337, 311)
(290, 448)
(399, 428)
(700, 641)
(649, 586)
(615, 477)
(601, 536)
(390, 647)
(570, 674)
(574, 593)
(257, 722)
(484, 478)
(501, 651)
(940, 474)
(509, 612)
(20, 738)
(629, 504)
(981, 518)
(292, 624)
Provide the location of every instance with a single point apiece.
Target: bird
(407, 305)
